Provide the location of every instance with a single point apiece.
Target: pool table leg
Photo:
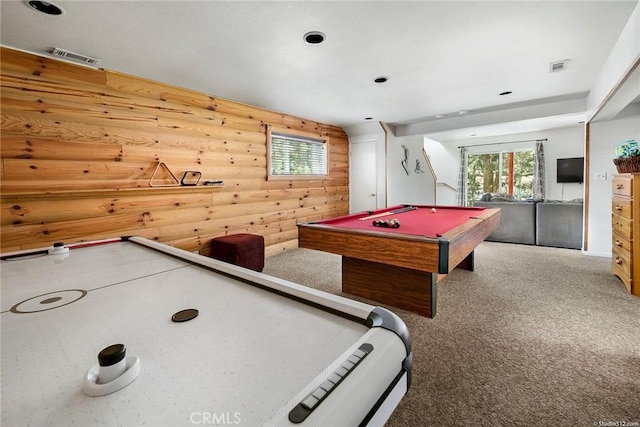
(400, 287)
(467, 263)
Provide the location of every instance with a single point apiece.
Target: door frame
(379, 143)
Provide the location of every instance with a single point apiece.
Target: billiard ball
(394, 223)
(433, 210)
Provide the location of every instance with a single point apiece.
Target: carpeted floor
(533, 337)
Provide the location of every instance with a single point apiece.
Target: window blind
(294, 155)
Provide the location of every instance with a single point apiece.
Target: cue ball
(433, 210)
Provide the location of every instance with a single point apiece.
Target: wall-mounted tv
(570, 170)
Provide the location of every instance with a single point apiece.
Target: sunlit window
(294, 156)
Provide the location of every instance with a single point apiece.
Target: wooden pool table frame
(400, 270)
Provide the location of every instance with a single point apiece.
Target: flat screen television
(570, 170)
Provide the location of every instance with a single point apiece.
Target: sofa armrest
(559, 225)
(517, 222)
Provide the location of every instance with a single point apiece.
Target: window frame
(296, 135)
(500, 151)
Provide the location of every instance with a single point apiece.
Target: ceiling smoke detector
(75, 57)
(558, 66)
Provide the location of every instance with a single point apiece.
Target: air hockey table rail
(261, 350)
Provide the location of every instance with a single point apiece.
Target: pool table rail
(463, 240)
(418, 252)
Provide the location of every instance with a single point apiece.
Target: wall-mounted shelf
(76, 194)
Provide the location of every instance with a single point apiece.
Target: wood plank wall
(79, 147)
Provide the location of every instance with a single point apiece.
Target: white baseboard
(596, 253)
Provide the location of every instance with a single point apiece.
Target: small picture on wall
(405, 162)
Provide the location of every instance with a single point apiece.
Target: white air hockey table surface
(262, 351)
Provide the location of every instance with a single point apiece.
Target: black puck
(185, 315)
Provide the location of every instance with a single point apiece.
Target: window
(508, 172)
(293, 156)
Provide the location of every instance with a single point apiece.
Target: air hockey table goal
(200, 342)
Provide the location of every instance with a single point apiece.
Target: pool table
(401, 266)
(204, 343)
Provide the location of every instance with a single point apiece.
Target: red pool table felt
(420, 221)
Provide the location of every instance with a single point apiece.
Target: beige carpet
(533, 337)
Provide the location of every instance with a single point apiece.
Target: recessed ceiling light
(507, 92)
(381, 79)
(314, 37)
(45, 7)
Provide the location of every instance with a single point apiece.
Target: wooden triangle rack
(175, 183)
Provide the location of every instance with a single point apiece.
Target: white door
(363, 164)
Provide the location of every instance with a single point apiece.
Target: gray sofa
(517, 222)
(551, 223)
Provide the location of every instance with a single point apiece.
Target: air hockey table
(256, 350)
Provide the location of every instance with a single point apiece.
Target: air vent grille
(76, 57)
(558, 66)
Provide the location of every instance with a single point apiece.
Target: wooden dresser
(625, 222)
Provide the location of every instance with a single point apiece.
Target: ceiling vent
(558, 66)
(75, 57)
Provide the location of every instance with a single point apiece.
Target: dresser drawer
(622, 206)
(622, 244)
(621, 266)
(622, 225)
(623, 185)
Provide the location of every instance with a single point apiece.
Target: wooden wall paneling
(188, 98)
(42, 106)
(342, 181)
(205, 117)
(52, 170)
(208, 144)
(72, 230)
(21, 147)
(189, 127)
(49, 128)
(39, 210)
(34, 88)
(49, 69)
(145, 88)
(79, 147)
(39, 187)
(152, 155)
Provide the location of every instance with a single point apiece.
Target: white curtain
(539, 181)
(461, 194)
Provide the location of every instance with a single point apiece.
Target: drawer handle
(618, 261)
(618, 243)
(618, 207)
(619, 186)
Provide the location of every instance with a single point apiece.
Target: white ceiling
(441, 57)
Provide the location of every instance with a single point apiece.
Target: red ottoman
(245, 250)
